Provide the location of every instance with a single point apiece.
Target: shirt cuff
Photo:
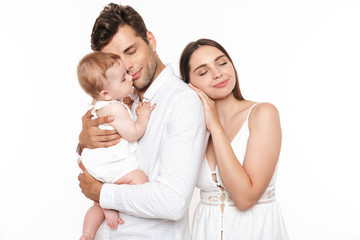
(107, 196)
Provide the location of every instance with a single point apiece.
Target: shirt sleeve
(169, 195)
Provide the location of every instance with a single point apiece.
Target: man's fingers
(87, 115)
(96, 132)
(107, 143)
(82, 168)
(106, 138)
(100, 141)
(101, 120)
(110, 143)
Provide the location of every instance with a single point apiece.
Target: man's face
(138, 56)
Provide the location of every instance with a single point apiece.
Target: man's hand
(93, 137)
(90, 187)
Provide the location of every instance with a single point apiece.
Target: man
(171, 150)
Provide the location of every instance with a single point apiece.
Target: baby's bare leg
(134, 177)
(93, 218)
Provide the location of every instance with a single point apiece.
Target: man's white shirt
(170, 154)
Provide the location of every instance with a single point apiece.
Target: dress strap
(247, 118)
(100, 104)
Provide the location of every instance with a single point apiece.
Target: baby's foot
(112, 218)
(86, 236)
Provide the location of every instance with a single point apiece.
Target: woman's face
(212, 72)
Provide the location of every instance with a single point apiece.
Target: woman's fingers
(202, 95)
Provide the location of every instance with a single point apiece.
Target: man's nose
(128, 64)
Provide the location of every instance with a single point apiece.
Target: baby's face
(120, 82)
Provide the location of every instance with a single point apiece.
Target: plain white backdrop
(302, 56)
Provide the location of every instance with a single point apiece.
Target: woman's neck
(227, 107)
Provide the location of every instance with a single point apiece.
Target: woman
(237, 177)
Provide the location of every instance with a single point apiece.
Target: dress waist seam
(232, 204)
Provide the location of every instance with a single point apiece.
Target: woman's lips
(221, 84)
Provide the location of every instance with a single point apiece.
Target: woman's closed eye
(202, 73)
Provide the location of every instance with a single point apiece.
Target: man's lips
(221, 84)
(136, 75)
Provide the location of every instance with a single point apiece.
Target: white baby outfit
(262, 221)
(111, 163)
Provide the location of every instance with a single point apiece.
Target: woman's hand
(93, 137)
(211, 115)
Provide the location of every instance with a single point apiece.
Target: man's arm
(168, 196)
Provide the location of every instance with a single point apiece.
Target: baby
(104, 77)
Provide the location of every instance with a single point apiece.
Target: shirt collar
(161, 79)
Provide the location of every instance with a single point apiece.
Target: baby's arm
(123, 124)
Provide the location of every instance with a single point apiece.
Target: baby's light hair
(91, 71)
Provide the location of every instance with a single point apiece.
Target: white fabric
(262, 221)
(170, 154)
(110, 164)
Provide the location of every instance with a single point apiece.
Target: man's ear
(151, 39)
(105, 95)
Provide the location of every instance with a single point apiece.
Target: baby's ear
(105, 95)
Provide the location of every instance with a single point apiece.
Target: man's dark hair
(110, 19)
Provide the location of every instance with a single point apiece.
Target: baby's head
(103, 76)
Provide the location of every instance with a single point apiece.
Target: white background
(302, 56)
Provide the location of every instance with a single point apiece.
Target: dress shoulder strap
(100, 104)
(247, 118)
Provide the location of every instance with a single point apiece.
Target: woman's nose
(217, 74)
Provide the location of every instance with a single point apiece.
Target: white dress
(111, 163)
(262, 221)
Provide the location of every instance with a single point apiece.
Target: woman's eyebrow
(204, 65)
(219, 57)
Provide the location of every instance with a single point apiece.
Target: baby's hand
(144, 109)
(128, 101)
